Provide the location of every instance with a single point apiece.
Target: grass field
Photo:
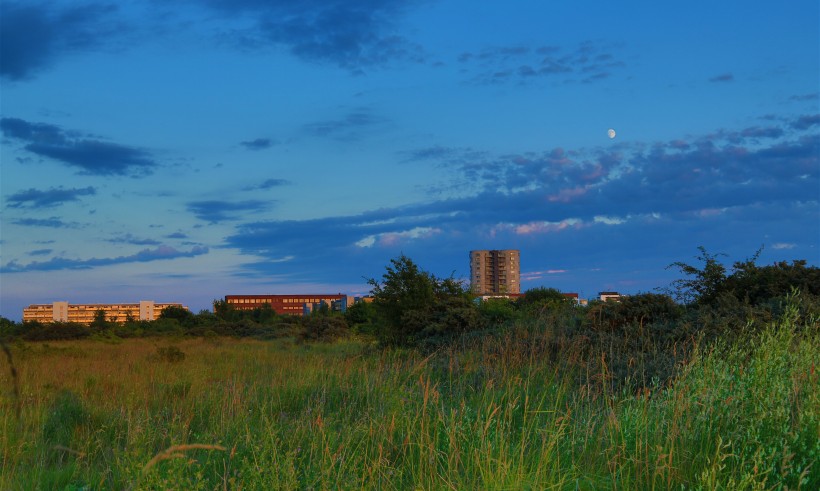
(238, 414)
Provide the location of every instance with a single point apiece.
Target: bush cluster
(640, 338)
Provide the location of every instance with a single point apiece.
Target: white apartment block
(147, 310)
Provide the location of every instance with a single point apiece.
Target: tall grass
(503, 412)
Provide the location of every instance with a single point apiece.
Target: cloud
(36, 34)
(806, 122)
(258, 144)
(393, 238)
(783, 245)
(33, 198)
(723, 77)
(214, 211)
(727, 179)
(176, 235)
(347, 128)
(92, 156)
(586, 63)
(52, 222)
(759, 132)
(40, 252)
(351, 34)
(130, 239)
(146, 255)
(267, 184)
(805, 97)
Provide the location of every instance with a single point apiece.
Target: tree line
(414, 308)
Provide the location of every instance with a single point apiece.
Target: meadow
(491, 412)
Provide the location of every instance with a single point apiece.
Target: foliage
(702, 285)
(497, 312)
(322, 326)
(182, 315)
(759, 284)
(412, 304)
(36, 331)
(541, 297)
(747, 282)
(100, 322)
(171, 354)
(512, 410)
(360, 313)
(641, 309)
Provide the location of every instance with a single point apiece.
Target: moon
(611, 133)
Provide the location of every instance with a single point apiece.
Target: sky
(183, 151)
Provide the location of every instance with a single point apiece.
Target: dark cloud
(94, 157)
(587, 63)
(214, 211)
(130, 239)
(806, 122)
(806, 97)
(176, 235)
(258, 144)
(579, 199)
(35, 34)
(352, 34)
(146, 255)
(347, 128)
(268, 184)
(34, 198)
(52, 222)
(40, 252)
(724, 77)
(432, 153)
(758, 132)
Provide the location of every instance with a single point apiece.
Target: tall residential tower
(495, 272)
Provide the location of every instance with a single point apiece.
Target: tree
(542, 297)
(100, 322)
(412, 304)
(702, 286)
(181, 314)
(360, 313)
(747, 282)
(759, 284)
(226, 312)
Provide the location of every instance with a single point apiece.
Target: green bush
(171, 354)
(497, 312)
(323, 328)
(414, 307)
(642, 309)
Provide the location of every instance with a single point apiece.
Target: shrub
(497, 312)
(412, 304)
(641, 310)
(324, 328)
(171, 354)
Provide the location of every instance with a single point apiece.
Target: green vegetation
(537, 394)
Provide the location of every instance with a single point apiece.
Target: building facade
(297, 304)
(609, 296)
(495, 272)
(146, 310)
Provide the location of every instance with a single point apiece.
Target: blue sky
(182, 151)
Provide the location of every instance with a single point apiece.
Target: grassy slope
(94, 415)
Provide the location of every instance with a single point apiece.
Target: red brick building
(298, 304)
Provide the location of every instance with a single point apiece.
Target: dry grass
(498, 415)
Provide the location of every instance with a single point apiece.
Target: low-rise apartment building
(147, 310)
(293, 304)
